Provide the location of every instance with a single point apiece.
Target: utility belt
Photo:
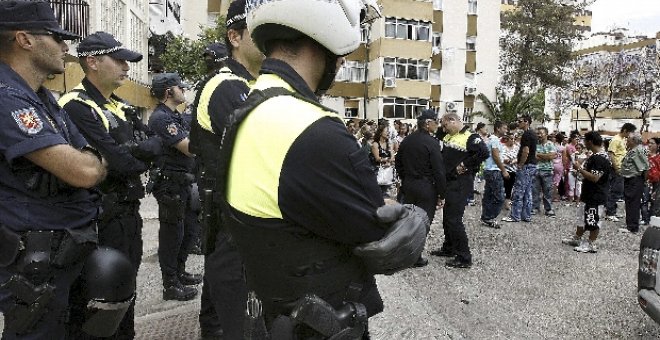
(179, 177)
(33, 257)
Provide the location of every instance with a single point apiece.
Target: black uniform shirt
(596, 193)
(530, 140)
(420, 156)
(29, 122)
(120, 160)
(172, 128)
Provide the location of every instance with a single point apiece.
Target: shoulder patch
(477, 140)
(28, 120)
(173, 129)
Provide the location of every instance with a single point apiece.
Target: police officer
(172, 188)
(420, 166)
(224, 291)
(47, 172)
(301, 194)
(214, 57)
(105, 121)
(463, 151)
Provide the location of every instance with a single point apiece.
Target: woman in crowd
(651, 199)
(569, 150)
(382, 153)
(509, 156)
(558, 166)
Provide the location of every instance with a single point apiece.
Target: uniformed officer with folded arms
(106, 122)
(302, 197)
(47, 209)
(224, 292)
(172, 188)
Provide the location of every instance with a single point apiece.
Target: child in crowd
(595, 170)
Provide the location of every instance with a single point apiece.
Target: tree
(642, 88)
(507, 108)
(537, 43)
(596, 82)
(184, 55)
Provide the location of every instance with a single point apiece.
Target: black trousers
(120, 227)
(632, 192)
(452, 222)
(224, 293)
(421, 193)
(175, 235)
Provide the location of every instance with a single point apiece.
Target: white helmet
(334, 24)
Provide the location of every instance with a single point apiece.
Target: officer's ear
(24, 39)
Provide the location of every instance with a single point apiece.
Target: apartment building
(127, 20)
(421, 54)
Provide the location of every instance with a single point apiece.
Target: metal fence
(73, 15)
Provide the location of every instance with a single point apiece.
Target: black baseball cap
(428, 114)
(162, 81)
(102, 43)
(236, 13)
(31, 15)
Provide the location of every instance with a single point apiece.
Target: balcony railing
(73, 15)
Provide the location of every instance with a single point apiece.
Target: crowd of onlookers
(634, 177)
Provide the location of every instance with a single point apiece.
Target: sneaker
(491, 224)
(612, 218)
(471, 203)
(572, 241)
(624, 230)
(586, 247)
(620, 216)
(457, 263)
(509, 219)
(550, 213)
(179, 292)
(620, 200)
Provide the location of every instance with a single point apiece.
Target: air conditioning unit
(452, 107)
(470, 91)
(389, 82)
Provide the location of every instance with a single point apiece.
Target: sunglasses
(57, 37)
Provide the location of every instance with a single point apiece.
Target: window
(403, 108)
(437, 5)
(467, 114)
(364, 34)
(472, 6)
(352, 72)
(407, 29)
(471, 44)
(350, 112)
(404, 68)
(437, 42)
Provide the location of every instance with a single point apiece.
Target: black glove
(403, 243)
(147, 150)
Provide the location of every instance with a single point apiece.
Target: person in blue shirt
(47, 172)
(494, 174)
(173, 188)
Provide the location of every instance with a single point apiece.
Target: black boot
(174, 290)
(188, 279)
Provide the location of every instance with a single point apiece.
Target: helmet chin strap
(329, 73)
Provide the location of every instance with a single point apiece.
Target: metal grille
(73, 15)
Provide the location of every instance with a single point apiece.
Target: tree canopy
(184, 55)
(536, 44)
(507, 108)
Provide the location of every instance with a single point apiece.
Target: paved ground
(524, 285)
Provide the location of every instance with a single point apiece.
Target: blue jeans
(493, 198)
(521, 195)
(543, 182)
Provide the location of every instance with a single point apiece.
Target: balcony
(73, 15)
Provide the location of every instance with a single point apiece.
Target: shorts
(591, 215)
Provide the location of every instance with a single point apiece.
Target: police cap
(162, 81)
(31, 15)
(102, 43)
(236, 14)
(427, 114)
(217, 51)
